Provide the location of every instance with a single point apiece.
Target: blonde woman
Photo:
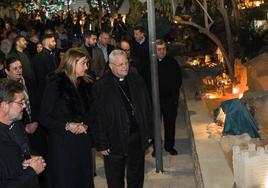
(65, 112)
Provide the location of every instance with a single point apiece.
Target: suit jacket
(97, 62)
(111, 129)
(141, 53)
(11, 172)
(44, 63)
(109, 48)
(170, 79)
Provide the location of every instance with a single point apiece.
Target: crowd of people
(67, 91)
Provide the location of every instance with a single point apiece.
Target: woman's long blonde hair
(69, 61)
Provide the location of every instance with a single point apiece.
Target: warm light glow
(207, 58)
(211, 96)
(240, 95)
(257, 3)
(235, 90)
(219, 55)
(244, 4)
(194, 62)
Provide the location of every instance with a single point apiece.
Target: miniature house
(250, 166)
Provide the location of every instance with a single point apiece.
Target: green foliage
(212, 7)
(137, 11)
(164, 8)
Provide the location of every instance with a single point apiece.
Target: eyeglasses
(126, 50)
(121, 64)
(21, 103)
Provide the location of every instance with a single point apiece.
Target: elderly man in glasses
(123, 122)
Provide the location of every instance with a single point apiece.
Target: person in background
(39, 47)
(170, 80)
(66, 113)
(45, 62)
(125, 46)
(140, 50)
(6, 44)
(13, 70)
(103, 44)
(95, 54)
(31, 46)
(123, 126)
(16, 171)
(28, 73)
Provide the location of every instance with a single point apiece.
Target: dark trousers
(115, 166)
(169, 114)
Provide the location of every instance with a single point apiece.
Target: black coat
(170, 79)
(140, 52)
(11, 173)
(44, 63)
(112, 123)
(69, 155)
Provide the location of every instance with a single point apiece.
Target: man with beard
(19, 45)
(97, 62)
(35, 133)
(16, 171)
(45, 63)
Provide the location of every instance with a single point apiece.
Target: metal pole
(155, 87)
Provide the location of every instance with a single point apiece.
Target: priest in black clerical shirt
(170, 79)
(123, 124)
(16, 169)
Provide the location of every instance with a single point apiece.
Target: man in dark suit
(125, 46)
(123, 122)
(140, 50)
(45, 63)
(103, 44)
(15, 170)
(96, 59)
(170, 79)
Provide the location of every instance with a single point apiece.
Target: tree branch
(215, 39)
(206, 14)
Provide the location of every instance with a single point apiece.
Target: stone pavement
(178, 170)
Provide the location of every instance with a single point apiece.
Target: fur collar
(78, 99)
